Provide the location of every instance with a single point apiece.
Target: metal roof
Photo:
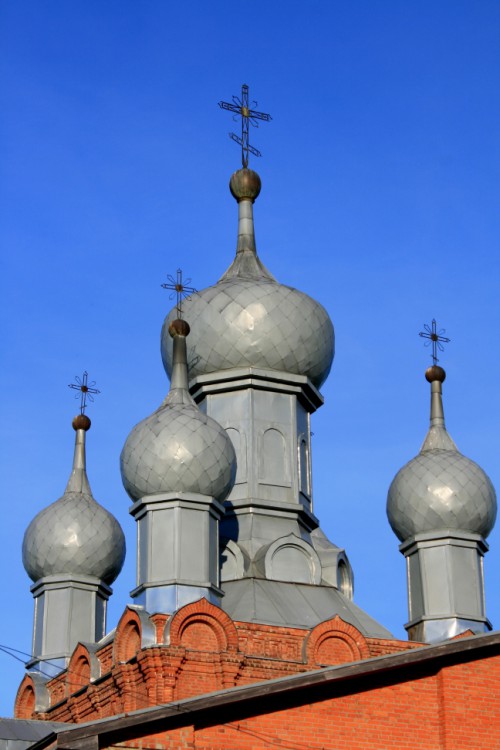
(294, 605)
(18, 734)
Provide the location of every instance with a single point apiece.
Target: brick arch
(134, 631)
(32, 695)
(128, 641)
(24, 706)
(79, 671)
(202, 626)
(334, 642)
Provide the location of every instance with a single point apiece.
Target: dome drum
(241, 378)
(445, 584)
(69, 609)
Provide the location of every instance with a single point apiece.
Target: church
(242, 629)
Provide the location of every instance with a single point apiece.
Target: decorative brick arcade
(155, 660)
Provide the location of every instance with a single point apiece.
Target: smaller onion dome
(440, 488)
(178, 448)
(248, 319)
(75, 535)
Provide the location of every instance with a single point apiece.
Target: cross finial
(179, 288)
(241, 108)
(87, 390)
(435, 338)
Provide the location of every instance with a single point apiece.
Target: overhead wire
(141, 696)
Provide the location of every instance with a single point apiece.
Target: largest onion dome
(178, 448)
(248, 319)
(75, 535)
(440, 488)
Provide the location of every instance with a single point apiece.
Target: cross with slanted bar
(242, 109)
(87, 390)
(179, 288)
(435, 338)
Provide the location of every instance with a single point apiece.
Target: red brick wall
(456, 709)
(198, 650)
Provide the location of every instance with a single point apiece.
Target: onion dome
(75, 535)
(440, 488)
(178, 448)
(248, 319)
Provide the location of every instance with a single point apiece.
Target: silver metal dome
(440, 488)
(178, 448)
(75, 535)
(249, 320)
(243, 323)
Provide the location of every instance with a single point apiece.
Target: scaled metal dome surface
(178, 449)
(74, 536)
(441, 489)
(248, 319)
(255, 322)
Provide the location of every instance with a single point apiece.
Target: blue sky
(380, 198)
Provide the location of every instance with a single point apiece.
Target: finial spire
(178, 330)
(78, 480)
(87, 390)
(435, 338)
(437, 436)
(241, 108)
(245, 187)
(179, 288)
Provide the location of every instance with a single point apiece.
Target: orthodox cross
(179, 288)
(435, 338)
(87, 390)
(241, 108)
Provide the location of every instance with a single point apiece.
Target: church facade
(242, 628)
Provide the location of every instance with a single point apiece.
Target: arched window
(344, 580)
(273, 459)
(304, 467)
